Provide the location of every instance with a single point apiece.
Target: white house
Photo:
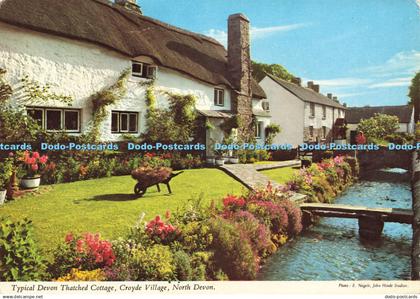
(303, 113)
(405, 114)
(80, 47)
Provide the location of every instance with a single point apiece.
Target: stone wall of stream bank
(415, 270)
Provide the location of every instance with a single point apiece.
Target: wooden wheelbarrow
(141, 187)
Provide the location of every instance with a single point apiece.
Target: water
(332, 250)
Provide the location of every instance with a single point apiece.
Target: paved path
(251, 176)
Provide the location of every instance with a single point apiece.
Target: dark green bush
(183, 270)
(20, 260)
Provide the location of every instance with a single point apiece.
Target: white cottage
(303, 113)
(405, 114)
(80, 47)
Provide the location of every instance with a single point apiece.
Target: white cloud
(402, 63)
(418, 4)
(351, 94)
(342, 82)
(396, 82)
(255, 32)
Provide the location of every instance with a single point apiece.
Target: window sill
(311, 116)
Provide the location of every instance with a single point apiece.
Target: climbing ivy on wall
(104, 98)
(176, 124)
(5, 89)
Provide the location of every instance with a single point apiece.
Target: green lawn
(109, 206)
(280, 175)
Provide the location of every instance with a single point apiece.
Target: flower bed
(195, 243)
(321, 182)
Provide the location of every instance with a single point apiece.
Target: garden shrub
(258, 233)
(294, 216)
(80, 275)
(354, 165)
(183, 269)
(123, 269)
(232, 250)
(196, 236)
(20, 258)
(153, 263)
(87, 252)
(271, 214)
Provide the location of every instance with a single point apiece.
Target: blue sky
(364, 51)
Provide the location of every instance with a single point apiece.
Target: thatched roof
(306, 94)
(131, 34)
(355, 114)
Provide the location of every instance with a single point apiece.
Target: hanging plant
(270, 132)
(5, 89)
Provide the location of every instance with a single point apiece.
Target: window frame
(217, 92)
(311, 131)
(324, 112)
(259, 129)
(151, 67)
(119, 120)
(78, 120)
(324, 132)
(137, 74)
(62, 117)
(312, 110)
(266, 105)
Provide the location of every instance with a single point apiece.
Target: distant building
(354, 115)
(303, 113)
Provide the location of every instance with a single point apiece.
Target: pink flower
(35, 155)
(11, 154)
(69, 238)
(43, 159)
(34, 167)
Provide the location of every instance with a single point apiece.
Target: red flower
(34, 167)
(43, 159)
(35, 155)
(69, 238)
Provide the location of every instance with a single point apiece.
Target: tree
(259, 70)
(414, 95)
(379, 126)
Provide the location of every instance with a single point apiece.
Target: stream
(332, 249)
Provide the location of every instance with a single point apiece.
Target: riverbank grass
(280, 175)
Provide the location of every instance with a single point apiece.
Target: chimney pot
(329, 95)
(310, 84)
(297, 81)
(335, 99)
(315, 87)
(130, 5)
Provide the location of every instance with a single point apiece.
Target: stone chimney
(310, 84)
(315, 87)
(297, 80)
(130, 5)
(335, 99)
(329, 95)
(239, 67)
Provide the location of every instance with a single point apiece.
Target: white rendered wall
(80, 69)
(287, 111)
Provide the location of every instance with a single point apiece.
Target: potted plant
(33, 164)
(6, 169)
(234, 159)
(210, 160)
(219, 158)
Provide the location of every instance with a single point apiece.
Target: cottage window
(324, 112)
(312, 109)
(259, 129)
(124, 122)
(266, 106)
(324, 132)
(137, 69)
(311, 131)
(219, 97)
(151, 71)
(143, 70)
(38, 115)
(56, 119)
